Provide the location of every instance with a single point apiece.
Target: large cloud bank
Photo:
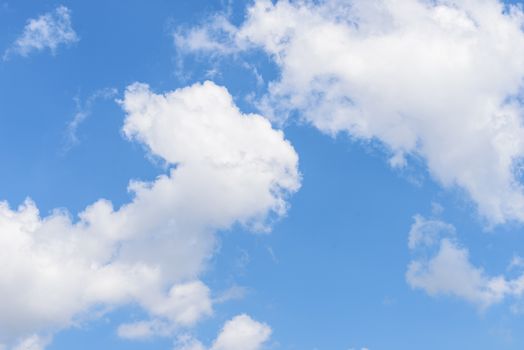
(228, 168)
(438, 80)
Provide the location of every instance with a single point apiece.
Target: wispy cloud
(83, 111)
(48, 31)
(233, 293)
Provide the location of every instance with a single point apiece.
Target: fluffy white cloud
(45, 32)
(239, 333)
(229, 167)
(440, 80)
(442, 267)
(251, 163)
(242, 333)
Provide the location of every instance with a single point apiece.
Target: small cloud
(233, 293)
(517, 262)
(83, 111)
(241, 332)
(48, 31)
(398, 160)
(272, 254)
(144, 330)
(242, 261)
(425, 232)
(441, 266)
(254, 70)
(187, 342)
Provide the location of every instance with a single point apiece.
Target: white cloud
(442, 267)
(242, 333)
(425, 232)
(184, 305)
(230, 168)
(33, 342)
(189, 343)
(144, 329)
(516, 262)
(439, 80)
(215, 38)
(233, 293)
(239, 333)
(48, 31)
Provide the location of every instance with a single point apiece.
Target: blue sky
(349, 176)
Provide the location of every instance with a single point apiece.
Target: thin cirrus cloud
(440, 81)
(441, 266)
(83, 111)
(230, 168)
(48, 31)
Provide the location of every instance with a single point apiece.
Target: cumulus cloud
(239, 333)
(48, 31)
(242, 333)
(441, 266)
(437, 80)
(228, 168)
